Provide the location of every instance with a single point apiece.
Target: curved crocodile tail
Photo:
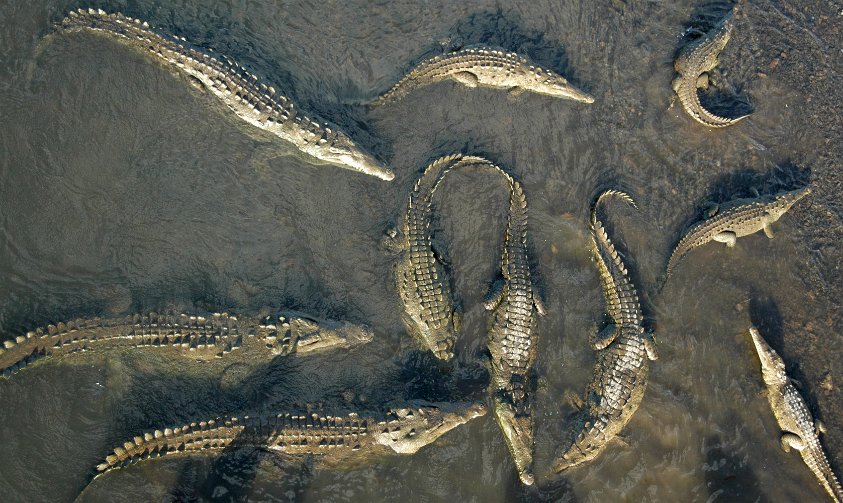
(204, 436)
(208, 335)
(407, 84)
(690, 99)
(614, 277)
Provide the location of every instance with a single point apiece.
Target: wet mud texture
(122, 189)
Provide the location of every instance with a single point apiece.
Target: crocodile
(799, 429)
(403, 430)
(693, 64)
(737, 218)
(251, 100)
(624, 351)
(513, 334)
(197, 335)
(485, 67)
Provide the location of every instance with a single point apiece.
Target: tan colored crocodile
(624, 352)
(244, 94)
(197, 335)
(403, 430)
(799, 429)
(513, 335)
(692, 65)
(737, 218)
(485, 67)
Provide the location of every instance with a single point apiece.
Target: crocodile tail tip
(610, 193)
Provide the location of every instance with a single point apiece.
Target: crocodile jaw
(787, 200)
(772, 365)
(342, 152)
(410, 429)
(518, 433)
(560, 88)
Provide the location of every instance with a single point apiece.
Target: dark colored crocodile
(243, 93)
(485, 67)
(513, 334)
(403, 430)
(201, 336)
(692, 65)
(799, 429)
(624, 348)
(737, 218)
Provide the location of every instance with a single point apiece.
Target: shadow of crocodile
(727, 475)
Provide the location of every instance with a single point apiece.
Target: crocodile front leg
(605, 337)
(727, 237)
(792, 440)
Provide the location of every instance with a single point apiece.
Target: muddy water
(124, 188)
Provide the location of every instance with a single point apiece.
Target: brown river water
(123, 189)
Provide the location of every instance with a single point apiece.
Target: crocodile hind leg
(727, 237)
(467, 79)
(768, 229)
(650, 346)
(792, 440)
(605, 337)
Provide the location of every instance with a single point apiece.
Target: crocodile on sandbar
(403, 430)
(623, 348)
(735, 219)
(693, 64)
(485, 67)
(197, 335)
(513, 334)
(251, 100)
(799, 429)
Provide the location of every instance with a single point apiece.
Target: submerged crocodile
(251, 100)
(735, 219)
(485, 67)
(513, 334)
(693, 64)
(404, 430)
(624, 349)
(799, 429)
(202, 336)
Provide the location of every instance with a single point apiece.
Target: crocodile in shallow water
(485, 67)
(200, 336)
(624, 350)
(403, 430)
(513, 334)
(799, 429)
(735, 219)
(244, 94)
(420, 278)
(693, 64)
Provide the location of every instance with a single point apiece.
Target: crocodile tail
(211, 335)
(617, 287)
(213, 435)
(418, 209)
(408, 83)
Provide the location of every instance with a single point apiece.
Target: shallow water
(125, 189)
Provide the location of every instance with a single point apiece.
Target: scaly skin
(420, 278)
(203, 336)
(404, 430)
(799, 430)
(486, 67)
(252, 101)
(692, 65)
(513, 334)
(624, 348)
(735, 219)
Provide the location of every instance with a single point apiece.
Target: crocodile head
(518, 433)
(783, 201)
(311, 336)
(772, 365)
(708, 48)
(538, 80)
(408, 429)
(338, 149)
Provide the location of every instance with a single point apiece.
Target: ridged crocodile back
(620, 293)
(206, 334)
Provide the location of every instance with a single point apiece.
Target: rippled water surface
(123, 188)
